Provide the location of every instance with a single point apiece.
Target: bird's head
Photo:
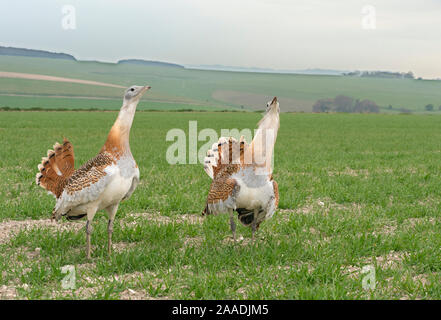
(273, 105)
(134, 93)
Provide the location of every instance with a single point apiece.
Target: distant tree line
(150, 63)
(431, 107)
(381, 74)
(343, 103)
(11, 51)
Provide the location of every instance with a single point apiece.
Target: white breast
(116, 189)
(122, 174)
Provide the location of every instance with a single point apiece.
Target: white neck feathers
(264, 140)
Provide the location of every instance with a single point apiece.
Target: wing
(273, 203)
(87, 183)
(222, 196)
(135, 183)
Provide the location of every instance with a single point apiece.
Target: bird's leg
(254, 223)
(90, 215)
(109, 236)
(88, 232)
(112, 212)
(232, 224)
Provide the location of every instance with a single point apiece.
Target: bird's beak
(141, 93)
(274, 105)
(145, 89)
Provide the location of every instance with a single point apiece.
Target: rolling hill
(182, 88)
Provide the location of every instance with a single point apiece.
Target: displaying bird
(102, 182)
(242, 174)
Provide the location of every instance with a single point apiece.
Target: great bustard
(102, 182)
(242, 174)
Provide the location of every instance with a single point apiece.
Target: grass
(211, 88)
(355, 190)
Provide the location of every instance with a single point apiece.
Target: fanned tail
(56, 168)
(225, 151)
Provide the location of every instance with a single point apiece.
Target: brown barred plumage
(89, 173)
(102, 182)
(241, 181)
(56, 168)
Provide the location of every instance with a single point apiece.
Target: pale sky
(278, 34)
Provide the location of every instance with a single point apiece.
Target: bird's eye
(132, 89)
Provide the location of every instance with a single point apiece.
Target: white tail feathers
(225, 151)
(210, 160)
(212, 157)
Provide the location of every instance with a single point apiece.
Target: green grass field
(211, 89)
(355, 190)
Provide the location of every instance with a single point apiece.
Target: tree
(409, 75)
(366, 106)
(322, 105)
(429, 107)
(343, 103)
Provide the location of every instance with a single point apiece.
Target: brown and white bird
(102, 182)
(242, 174)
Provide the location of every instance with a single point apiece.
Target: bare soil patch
(8, 293)
(392, 260)
(156, 217)
(349, 172)
(10, 227)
